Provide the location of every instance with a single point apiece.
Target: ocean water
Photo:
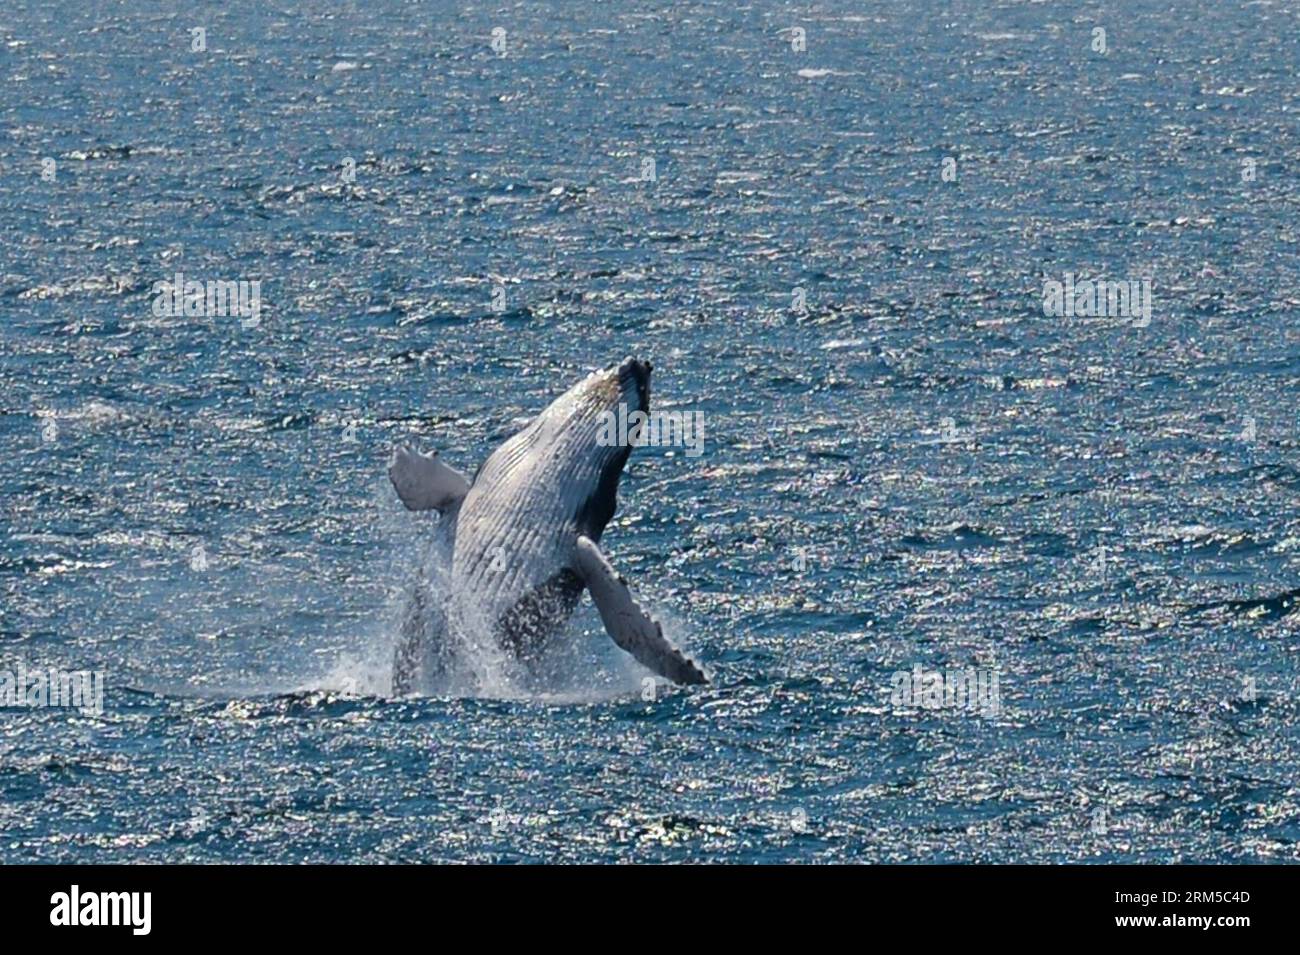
(906, 464)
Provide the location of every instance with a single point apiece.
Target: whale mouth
(635, 374)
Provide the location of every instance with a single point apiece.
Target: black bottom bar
(339, 905)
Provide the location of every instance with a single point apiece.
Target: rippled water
(917, 468)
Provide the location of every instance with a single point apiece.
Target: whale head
(626, 387)
(590, 430)
(580, 418)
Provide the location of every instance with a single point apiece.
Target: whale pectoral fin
(424, 483)
(628, 625)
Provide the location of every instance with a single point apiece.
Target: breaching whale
(523, 537)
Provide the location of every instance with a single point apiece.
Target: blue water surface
(918, 467)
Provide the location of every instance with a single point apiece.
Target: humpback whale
(523, 539)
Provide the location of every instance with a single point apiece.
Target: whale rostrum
(524, 536)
